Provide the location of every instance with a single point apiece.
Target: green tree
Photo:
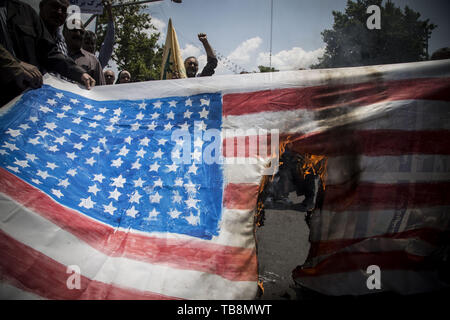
(136, 48)
(403, 37)
(267, 69)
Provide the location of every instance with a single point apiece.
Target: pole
(271, 28)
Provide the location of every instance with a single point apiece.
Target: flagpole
(271, 26)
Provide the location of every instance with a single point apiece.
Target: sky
(240, 30)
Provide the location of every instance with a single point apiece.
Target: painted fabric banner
(150, 190)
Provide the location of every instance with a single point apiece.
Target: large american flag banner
(149, 190)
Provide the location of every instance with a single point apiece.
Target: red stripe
(32, 271)
(356, 195)
(430, 235)
(240, 196)
(332, 96)
(351, 261)
(233, 263)
(345, 142)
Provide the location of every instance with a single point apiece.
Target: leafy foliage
(403, 37)
(136, 48)
(267, 69)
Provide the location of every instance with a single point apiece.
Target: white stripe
(257, 81)
(52, 241)
(355, 282)
(388, 169)
(328, 225)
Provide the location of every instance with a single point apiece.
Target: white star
(13, 133)
(157, 104)
(172, 103)
(64, 183)
(135, 126)
(179, 182)
(152, 215)
(201, 125)
(141, 153)
(81, 113)
(155, 198)
(51, 102)
(136, 165)
(204, 102)
(3, 152)
(75, 101)
(71, 155)
(21, 163)
(118, 111)
(77, 120)
(102, 140)
(31, 157)
(114, 120)
(36, 181)
(96, 150)
(176, 198)
(154, 167)
(116, 163)
(172, 168)
(155, 115)
(157, 154)
(123, 152)
(51, 165)
(99, 177)
(162, 142)
(168, 126)
(59, 95)
(60, 140)
(151, 126)
(191, 203)
(132, 212)
(68, 132)
(171, 115)
(93, 189)
(45, 109)
(34, 141)
(90, 161)
(15, 169)
(128, 140)
(140, 116)
(190, 188)
(24, 126)
(109, 208)
(135, 197)
(98, 117)
(204, 113)
(138, 183)
(86, 203)
(192, 220)
(184, 126)
(144, 141)
(196, 155)
(158, 183)
(42, 133)
(174, 213)
(187, 114)
(78, 145)
(43, 174)
(198, 143)
(102, 110)
(114, 194)
(12, 146)
(188, 102)
(88, 106)
(72, 172)
(142, 105)
(33, 119)
(57, 193)
(53, 148)
(118, 182)
(176, 154)
(66, 108)
(93, 125)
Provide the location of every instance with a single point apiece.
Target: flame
(316, 165)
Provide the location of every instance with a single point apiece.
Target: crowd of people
(32, 44)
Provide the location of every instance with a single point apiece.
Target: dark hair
(118, 76)
(190, 58)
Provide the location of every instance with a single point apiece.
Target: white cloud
(292, 59)
(244, 52)
(191, 50)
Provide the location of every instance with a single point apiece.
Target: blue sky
(240, 29)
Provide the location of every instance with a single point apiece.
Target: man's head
(109, 76)
(53, 13)
(191, 66)
(89, 41)
(124, 77)
(73, 33)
